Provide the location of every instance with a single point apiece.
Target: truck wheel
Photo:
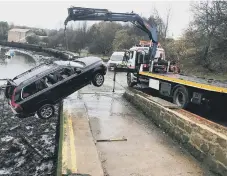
(98, 80)
(181, 96)
(130, 80)
(46, 111)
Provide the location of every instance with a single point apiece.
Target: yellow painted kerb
(187, 83)
(72, 146)
(64, 150)
(68, 148)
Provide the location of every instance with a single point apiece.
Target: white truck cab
(132, 54)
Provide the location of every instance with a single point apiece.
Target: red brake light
(13, 100)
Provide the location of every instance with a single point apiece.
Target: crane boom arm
(91, 14)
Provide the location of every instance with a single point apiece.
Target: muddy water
(27, 146)
(17, 65)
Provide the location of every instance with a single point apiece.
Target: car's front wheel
(46, 111)
(98, 80)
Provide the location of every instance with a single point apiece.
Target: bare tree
(167, 22)
(162, 24)
(209, 16)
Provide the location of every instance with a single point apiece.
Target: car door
(62, 85)
(83, 78)
(57, 85)
(32, 95)
(75, 81)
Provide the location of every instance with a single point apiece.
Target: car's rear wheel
(98, 80)
(46, 111)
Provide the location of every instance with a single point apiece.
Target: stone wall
(204, 143)
(31, 47)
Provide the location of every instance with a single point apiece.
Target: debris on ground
(111, 140)
(28, 146)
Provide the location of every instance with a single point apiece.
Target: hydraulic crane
(91, 14)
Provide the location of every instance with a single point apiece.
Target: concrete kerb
(77, 151)
(204, 143)
(60, 140)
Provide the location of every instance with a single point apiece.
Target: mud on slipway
(27, 146)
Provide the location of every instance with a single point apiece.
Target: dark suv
(40, 88)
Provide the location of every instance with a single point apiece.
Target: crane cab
(134, 52)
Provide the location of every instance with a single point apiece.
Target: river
(18, 64)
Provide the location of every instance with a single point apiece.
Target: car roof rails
(3, 86)
(28, 71)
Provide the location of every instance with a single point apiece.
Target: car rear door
(58, 85)
(33, 94)
(73, 82)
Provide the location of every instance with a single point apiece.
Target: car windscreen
(116, 58)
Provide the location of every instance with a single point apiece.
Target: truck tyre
(98, 79)
(46, 111)
(130, 80)
(181, 97)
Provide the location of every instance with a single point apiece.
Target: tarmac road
(147, 152)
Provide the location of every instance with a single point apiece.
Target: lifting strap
(65, 38)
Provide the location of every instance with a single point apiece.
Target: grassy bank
(191, 68)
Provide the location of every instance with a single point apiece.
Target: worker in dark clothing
(160, 57)
(68, 71)
(59, 77)
(40, 84)
(125, 57)
(54, 77)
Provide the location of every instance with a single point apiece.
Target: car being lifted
(40, 88)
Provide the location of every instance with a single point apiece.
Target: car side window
(66, 72)
(33, 88)
(58, 75)
(17, 97)
(52, 78)
(29, 90)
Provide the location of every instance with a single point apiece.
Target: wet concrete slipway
(27, 146)
(147, 152)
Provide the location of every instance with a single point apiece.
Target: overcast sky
(51, 14)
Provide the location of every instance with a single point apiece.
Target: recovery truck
(160, 75)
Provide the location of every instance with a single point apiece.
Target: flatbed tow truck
(160, 75)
